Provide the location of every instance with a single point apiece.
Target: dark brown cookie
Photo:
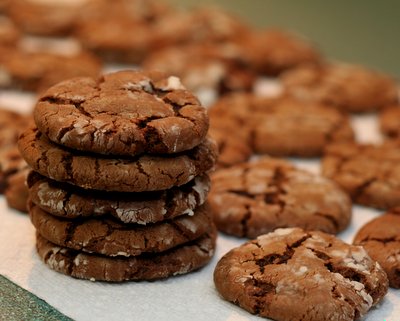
(390, 121)
(112, 238)
(284, 126)
(105, 28)
(381, 239)
(43, 17)
(292, 275)
(123, 113)
(273, 51)
(16, 191)
(44, 68)
(73, 202)
(254, 198)
(232, 139)
(370, 174)
(144, 173)
(329, 84)
(212, 69)
(180, 260)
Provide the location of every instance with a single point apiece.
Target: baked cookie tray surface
(188, 297)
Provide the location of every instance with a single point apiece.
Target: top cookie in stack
(128, 141)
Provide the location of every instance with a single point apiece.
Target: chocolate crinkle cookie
(284, 126)
(124, 113)
(257, 197)
(329, 83)
(293, 275)
(381, 239)
(370, 174)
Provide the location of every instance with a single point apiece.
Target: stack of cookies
(119, 178)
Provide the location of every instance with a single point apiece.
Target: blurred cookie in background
(9, 33)
(119, 31)
(285, 126)
(370, 174)
(207, 70)
(350, 88)
(272, 51)
(36, 64)
(389, 120)
(45, 17)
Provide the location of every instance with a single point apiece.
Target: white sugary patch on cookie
(301, 271)
(287, 288)
(189, 212)
(120, 253)
(338, 253)
(318, 277)
(175, 132)
(189, 225)
(143, 84)
(393, 258)
(191, 201)
(173, 83)
(92, 280)
(283, 231)
(201, 189)
(50, 200)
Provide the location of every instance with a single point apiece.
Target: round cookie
(254, 198)
(105, 28)
(11, 162)
(44, 68)
(284, 126)
(73, 202)
(44, 17)
(112, 238)
(389, 120)
(293, 275)
(370, 174)
(211, 69)
(123, 113)
(144, 173)
(180, 260)
(272, 51)
(329, 84)
(381, 239)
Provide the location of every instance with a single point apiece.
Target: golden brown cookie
(330, 84)
(257, 197)
(139, 174)
(180, 260)
(370, 174)
(293, 275)
(124, 113)
(11, 125)
(16, 191)
(381, 239)
(284, 126)
(72, 202)
(389, 120)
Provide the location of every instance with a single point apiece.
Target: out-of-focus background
(357, 31)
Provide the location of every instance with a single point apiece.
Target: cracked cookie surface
(180, 260)
(285, 126)
(112, 238)
(143, 173)
(123, 113)
(257, 197)
(295, 275)
(381, 239)
(370, 174)
(369, 91)
(69, 201)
